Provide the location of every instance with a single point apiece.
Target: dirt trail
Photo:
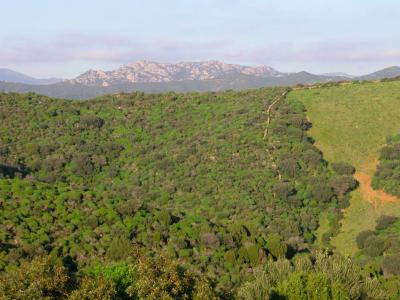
(269, 112)
(374, 197)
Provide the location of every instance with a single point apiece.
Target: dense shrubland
(379, 249)
(89, 191)
(387, 175)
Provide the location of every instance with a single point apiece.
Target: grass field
(351, 123)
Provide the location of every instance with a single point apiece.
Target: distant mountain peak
(390, 72)
(391, 68)
(8, 75)
(145, 71)
(341, 74)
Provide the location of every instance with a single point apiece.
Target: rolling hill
(390, 72)
(179, 196)
(351, 123)
(7, 75)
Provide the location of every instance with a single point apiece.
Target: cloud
(323, 52)
(75, 46)
(71, 47)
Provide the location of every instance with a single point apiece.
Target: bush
(94, 289)
(321, 191)
(374, 246)
(362, 236)
(230, 257)
(82, 165)
(210, 240)
(343, 184)
(289, 167)
(384, 222)
(283, 190)
(90, 121)
(391, 152)
(121, 274)
(276, 246)
(129, 207)
(312, 157)
(120, 248)
(343, 168)
(391, 265)
(318, 286)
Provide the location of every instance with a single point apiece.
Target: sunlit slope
(351, 123)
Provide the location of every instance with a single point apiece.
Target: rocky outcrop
(147, 71)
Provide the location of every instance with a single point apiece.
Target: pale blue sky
(64, 38)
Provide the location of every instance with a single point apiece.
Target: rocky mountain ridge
(151, 77)
(147, 71)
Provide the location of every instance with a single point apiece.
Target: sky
(64, 38)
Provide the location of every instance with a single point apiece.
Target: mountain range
(153, 77)
(7, 75)
(147, 71)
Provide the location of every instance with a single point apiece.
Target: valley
(219, 189)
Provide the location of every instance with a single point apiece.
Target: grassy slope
(350, 123)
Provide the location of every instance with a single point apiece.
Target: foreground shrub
(163, 278)
(94, 289)
(43, 278)
(329, 277)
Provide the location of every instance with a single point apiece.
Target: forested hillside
(170, 196)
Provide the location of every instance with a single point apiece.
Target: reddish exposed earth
(371, 195)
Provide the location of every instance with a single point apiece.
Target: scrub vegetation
(176, 196)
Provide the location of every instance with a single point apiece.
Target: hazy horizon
(66, 38)
(285, 71)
